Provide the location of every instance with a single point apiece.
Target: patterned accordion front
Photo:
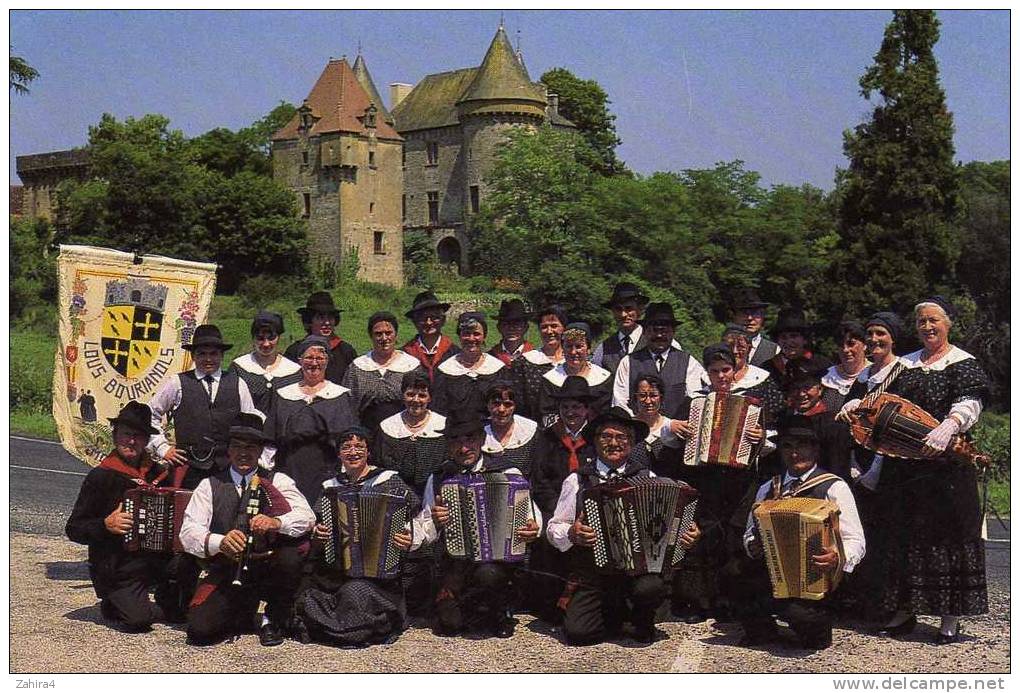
(486, 510)
(362, 523)
(721, 422)
(638, 523)
(157, 514)
(792, 531)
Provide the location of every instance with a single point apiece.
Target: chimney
(554, 103)
(398, 91)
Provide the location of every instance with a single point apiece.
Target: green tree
(33, 277)
(21, 74)
(258, 134)
(899, 195)
(586, 104)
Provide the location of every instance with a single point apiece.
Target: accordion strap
(777, 485)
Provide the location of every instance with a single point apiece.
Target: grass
(33, 424)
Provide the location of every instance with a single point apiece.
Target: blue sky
(689, 89)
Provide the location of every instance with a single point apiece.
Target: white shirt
(621, 384)
(634, 337)
(198, 515)
(755, 342)
(168, 398)
(374, 481)
(662, 431)
(425, 530)
(558, 531)
(835, 380)
(849, 521)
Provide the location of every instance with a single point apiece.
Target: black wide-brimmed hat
(625, 291)
(319, 302)
(463, 422)
(619, 415)
(424, 301)
(659, 312)
(265, 318)
(792, 320)
(747, 298)
(207, 335)
(137, 416)
(796, 426)
(512, 309)
(248, 427)
(574, 387)
(801, 370)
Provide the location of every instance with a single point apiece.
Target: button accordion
(638, 523)
(156, 514)
(362, 523)
(486, 510)
(721, 423)
(792, 531)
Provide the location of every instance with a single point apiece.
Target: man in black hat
(470, 594)
(211, 532)
(803, 478)
(122, 580)
(626, 304)
(512, 323)
(679, 371)
(320, 316)
(806, 406)
(430, 345)
(601, 602)
(202, 403)
(793, 335)
(749, 311)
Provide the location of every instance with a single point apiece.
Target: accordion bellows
(792, 531)
(721, 422)
(157, 514)
(486, 510)
(638, 523)
(362, 524)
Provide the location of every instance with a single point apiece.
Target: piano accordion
(638, 523)
(486, 510)
(362, 523)
(792, 531)
(721, 423)
(157, 514)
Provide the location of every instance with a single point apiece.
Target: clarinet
(249, 508)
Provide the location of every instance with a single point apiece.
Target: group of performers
(277, 461)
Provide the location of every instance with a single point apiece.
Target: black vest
(673, 376)
(817, 492)
(766, 350)
(226, 502)
(612, 350)
(197, 418)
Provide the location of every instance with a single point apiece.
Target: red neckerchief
(115, 463)
(571, 444)
(334, 342)
(500, 352)
(818, 408)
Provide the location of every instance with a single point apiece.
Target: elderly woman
(356, 612)
(306, 417)
(936, 557)
(374, 379)
(507, 434)
(836, 383)
(460, 382)
(526, 372)
(576, 343)
(264, 369)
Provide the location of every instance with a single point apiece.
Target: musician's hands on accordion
(828, 560)
(681, 429)
(440, 513)
(402, 540)
(689, 538)
(529, 532)
(118, 522)
(581, 534)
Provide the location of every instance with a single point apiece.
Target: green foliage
(248, 149)
(21, 73)
(991, 435)
(586, 104)
(33, 274)
(32, 358)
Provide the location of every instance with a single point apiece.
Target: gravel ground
(56, 627)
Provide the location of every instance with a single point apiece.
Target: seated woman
(508, 435)
(526, 372)
(461, 381)
(576, 342)
(264, 369)
(346, 611)
(374, 379)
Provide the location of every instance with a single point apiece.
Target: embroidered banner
(121, 329)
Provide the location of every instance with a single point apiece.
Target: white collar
(538, 357)
(330, 391)
(241, 480)
(395, 427)
(634, 336)
(516, 352)
(332, 482)
(834, 380)
(873, 380)
(596, 375)
(604, 469)
(655, 432)
(434, 349)
(755, 341)
(248, 363)
(752, 376)
(954, 355)
(401, 363)
(490, 364)
(787, 477)
(216, 374)
(522, 433)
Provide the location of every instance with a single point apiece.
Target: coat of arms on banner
(132, 324)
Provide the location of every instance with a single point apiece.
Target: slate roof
(433, 101)
(365, 80)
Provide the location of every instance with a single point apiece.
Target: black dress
(600, 385)
(526, 377)
(519, 451)
(262, 383)
(376, 391)
(456, 388)
(936, 558)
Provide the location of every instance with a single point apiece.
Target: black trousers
(601, 603)
(471, 595)
(221, 609)
(810, 619)
(128, 578)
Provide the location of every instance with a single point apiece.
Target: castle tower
(365, 80)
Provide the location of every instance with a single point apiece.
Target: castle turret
(365, 80)
(502, 85)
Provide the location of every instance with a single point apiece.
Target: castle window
(403, 157)
(403, 208)
(307, 199)
(371, 159)
(432, 153)
(304, 157)
(371, 207)
(136, 296)
(474, 199)
(433, 208)
(378, 247)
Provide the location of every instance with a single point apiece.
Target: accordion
(486, 510)
(638, 523)
(362, 523)
(792, 531)
(896, 427)
(157, 514)
(721, 422)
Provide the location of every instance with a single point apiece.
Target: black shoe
(943, 639)
(270, 635)
(646, 635)
(696, 616)
(904, 628)
(299, 631)
(505, 628)
(816, 643)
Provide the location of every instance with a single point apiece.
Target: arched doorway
(449, 252)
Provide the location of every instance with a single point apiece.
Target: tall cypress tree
(899, 196)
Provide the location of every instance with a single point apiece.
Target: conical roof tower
(502, 84)
(365, 80)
